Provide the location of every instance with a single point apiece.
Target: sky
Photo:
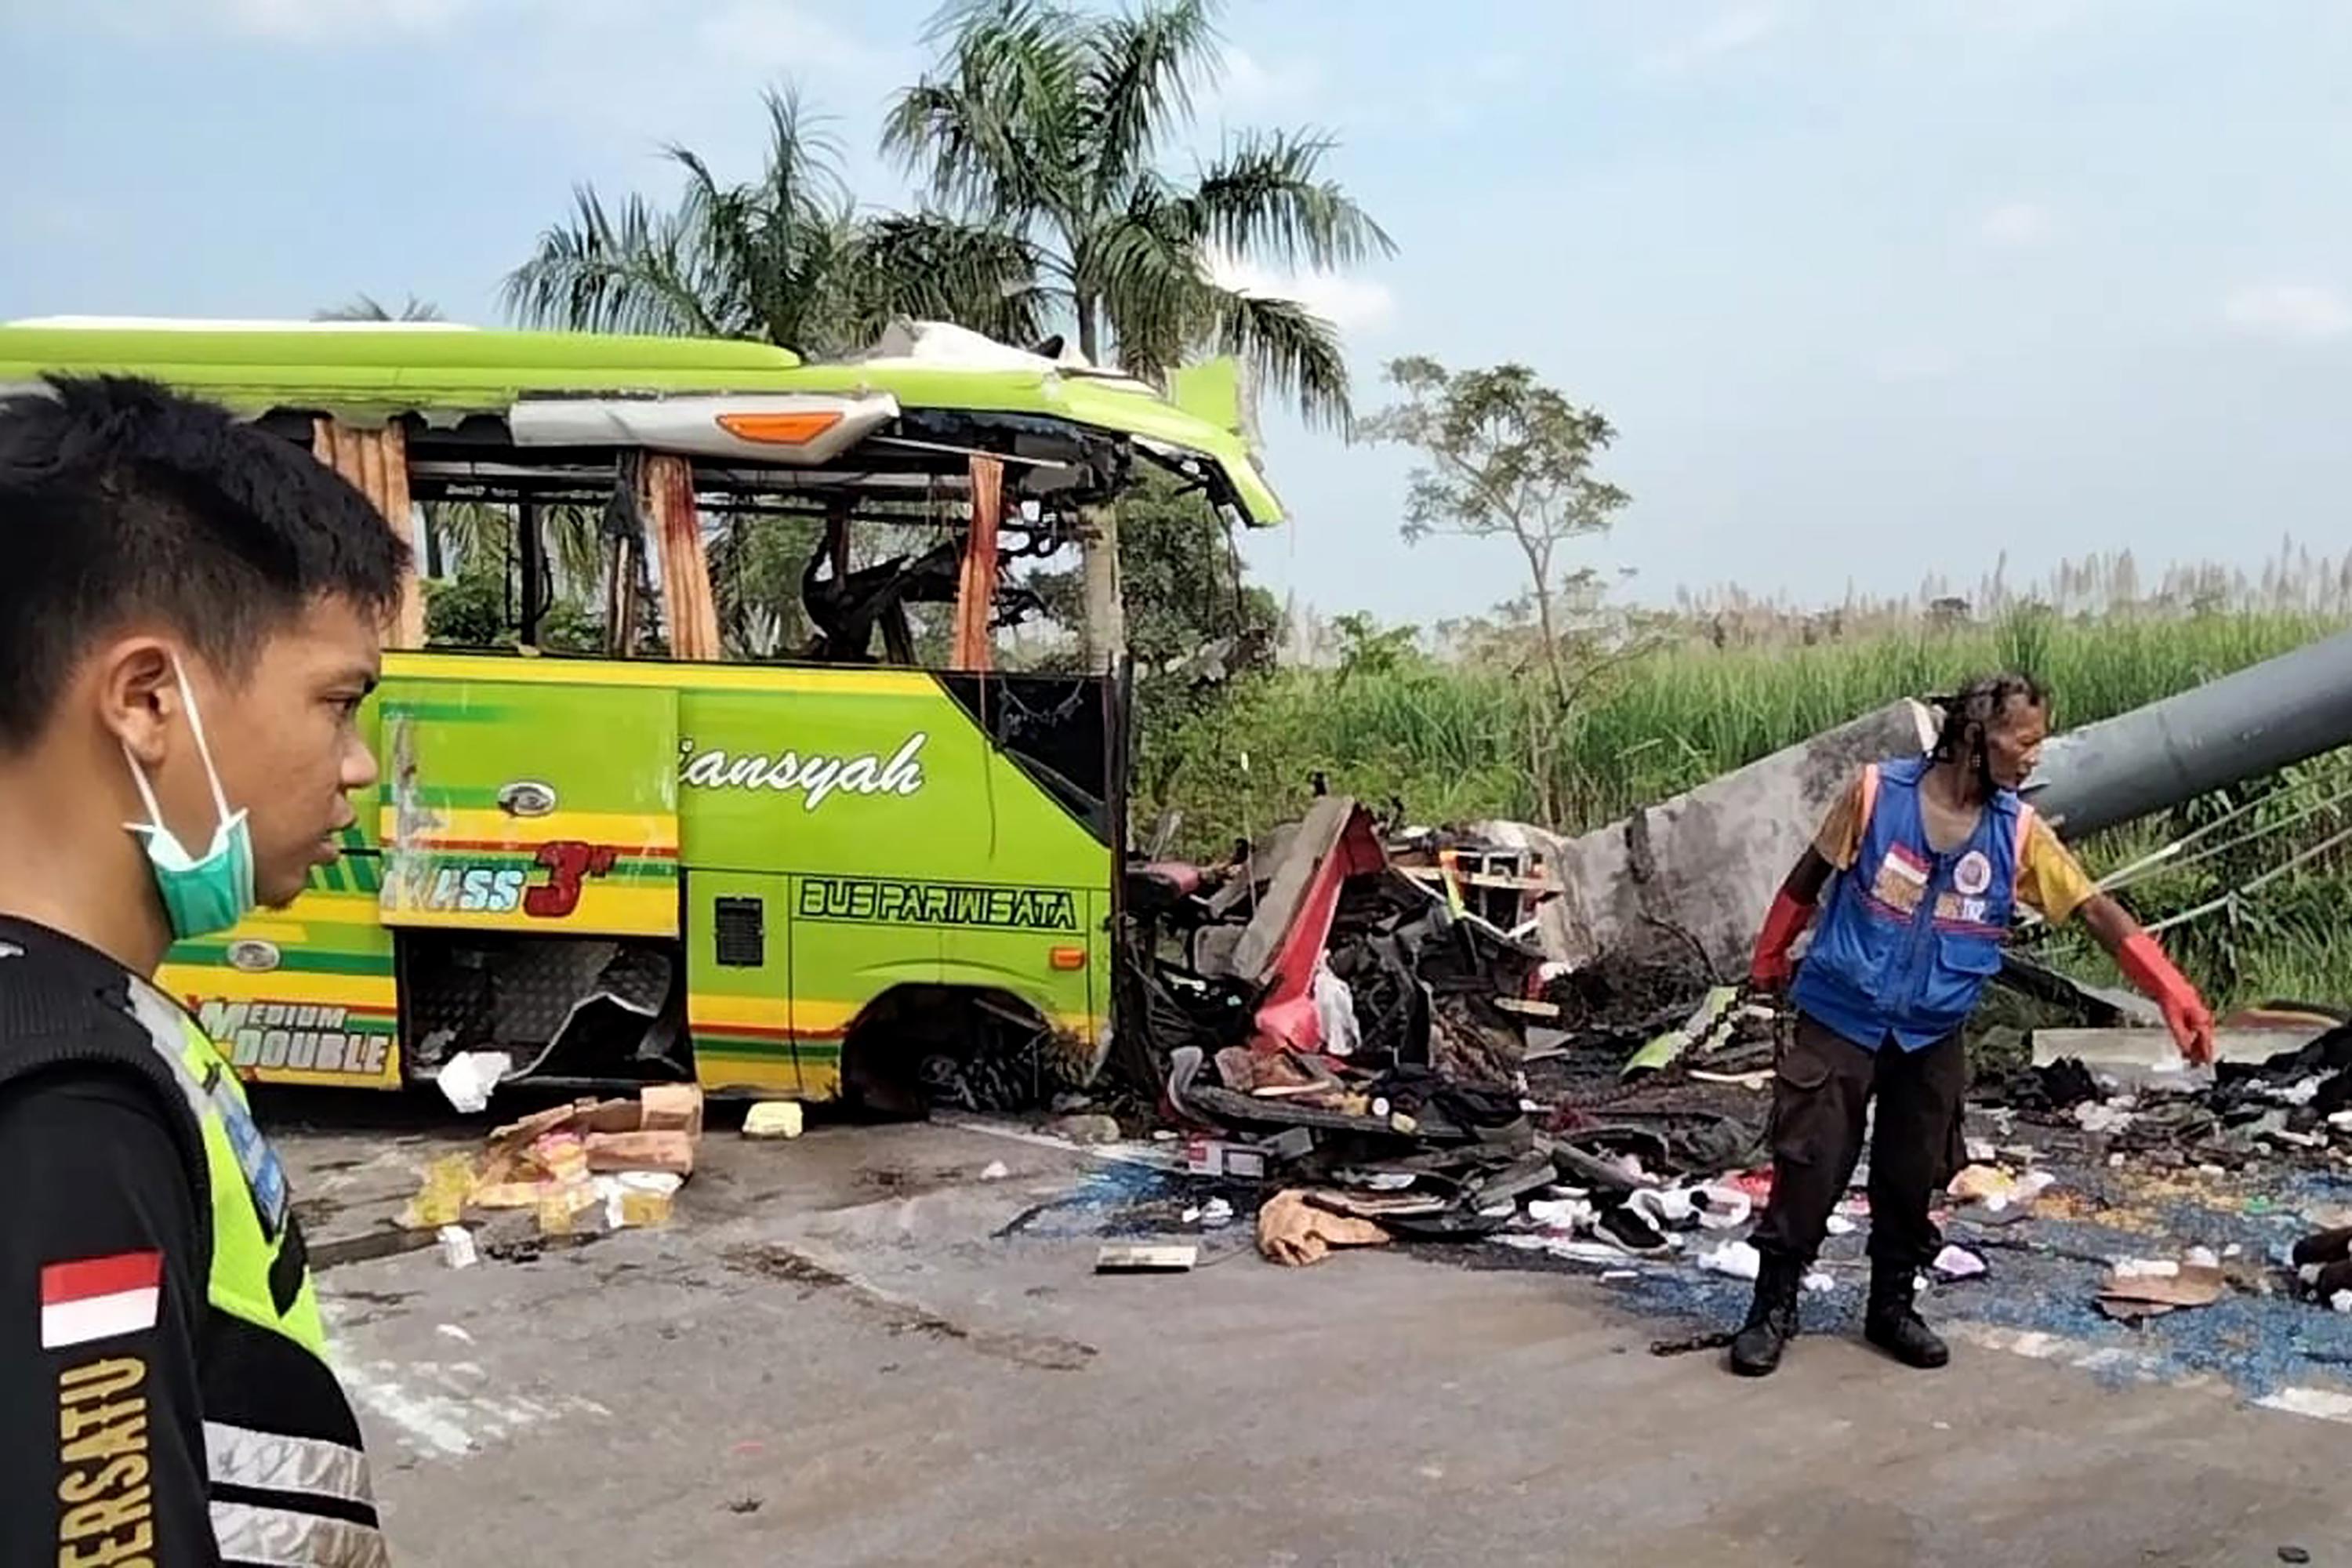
(1872, 289)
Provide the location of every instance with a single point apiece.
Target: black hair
(1982, 702)
(121, 500)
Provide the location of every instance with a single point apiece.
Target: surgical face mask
(205, 895)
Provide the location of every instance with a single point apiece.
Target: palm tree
(1048, 123)
(365, 308)
(788, 258)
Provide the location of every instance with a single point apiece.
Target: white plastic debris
(996, 1171)
(1564, 1248)
(467, 1079)
(1567, 1215)
(1335, 1007)
(1723, 1207)
(2147, 1268)
(2112, 1117)
(2303, 1093)
(774, 1119)
(457, 1246)
(2341, 1301)
(1819, 1283)
(1736, 1259)
(2340, 1119)
(1981, 1151)
(2202, 1258)
(1663, 1207)
(1841, 1225)
(2033, 1183)
(454, 1332)
(1216, 1212)
(1959, 1262)
(2115, 1161)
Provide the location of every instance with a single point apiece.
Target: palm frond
(1154, 289)
(1140, 70)
(928, 266)
(1291, 347)
(997, 128)
(600, 274)
(366, 308)
(1266, 197)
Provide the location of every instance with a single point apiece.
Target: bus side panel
(304, 994)
(530, 805)
(917, 853)
(739, 981)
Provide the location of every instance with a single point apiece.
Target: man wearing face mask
(1925, 860)
(190, 616)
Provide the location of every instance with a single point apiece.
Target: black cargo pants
(1820, 1091)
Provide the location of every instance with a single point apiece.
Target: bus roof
(371, 372)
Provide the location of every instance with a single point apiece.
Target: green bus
(774, 877)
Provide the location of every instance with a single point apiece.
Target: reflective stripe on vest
(281, 1538)
(280, 1498)
(239, 1456)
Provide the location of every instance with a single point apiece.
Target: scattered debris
(1086, 1129)
(1958, 1263)
(774, 1119)
(2141, 1288)
(457, 1246)
(467, 1079)
(1291, 1229)
(1139, 1258)
(584, 1168)
(1739, 1259)
(995, 1170)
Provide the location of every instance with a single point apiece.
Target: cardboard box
(673, 1108)
(671, 1151)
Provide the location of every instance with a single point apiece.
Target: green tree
(786, 258)
(1506, 458)
(1048, 124)
(1196, 628)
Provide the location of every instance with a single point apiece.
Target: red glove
(2185, 1013)
(1770, 969)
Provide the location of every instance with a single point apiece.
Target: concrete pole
(2263, 718)
(1106, 628)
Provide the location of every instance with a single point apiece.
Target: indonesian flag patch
(100, 1297)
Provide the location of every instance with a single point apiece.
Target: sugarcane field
(1168, 783)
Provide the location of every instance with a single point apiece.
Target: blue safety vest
(1907, 938)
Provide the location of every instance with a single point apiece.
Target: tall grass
(1454, 742)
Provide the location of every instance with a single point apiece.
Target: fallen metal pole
(2262, 718)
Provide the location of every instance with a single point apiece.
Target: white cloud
(1351, 304)
(1911, 365)
(291, 21)
(1733, 31)
(2304, 312)
(1247, 84)
(767, 36)
(2014, 225)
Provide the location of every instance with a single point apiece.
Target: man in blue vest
(191, 614)
(1926, 859)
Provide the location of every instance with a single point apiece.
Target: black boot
(1771, 1318)
(1891, 1322)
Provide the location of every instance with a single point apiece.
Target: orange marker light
(781, 429)
(1068, 958)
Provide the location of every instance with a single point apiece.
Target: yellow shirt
(2049, 879)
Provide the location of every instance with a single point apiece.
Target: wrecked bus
(772, 877)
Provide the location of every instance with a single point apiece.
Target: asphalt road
(854, 1349)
